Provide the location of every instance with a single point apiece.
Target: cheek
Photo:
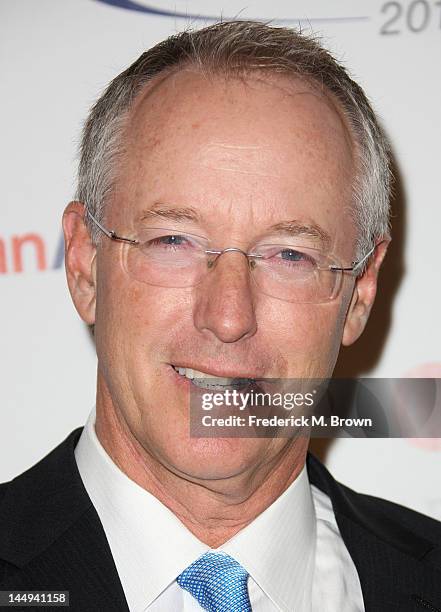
(123, 310)
(148, 328)
(138, 310)
(309, 335)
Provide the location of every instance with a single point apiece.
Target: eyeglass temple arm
(356, 264)
(110, 233)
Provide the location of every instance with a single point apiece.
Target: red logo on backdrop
(28, 252)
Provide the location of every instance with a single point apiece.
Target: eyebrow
(173, 213)
(293, 228)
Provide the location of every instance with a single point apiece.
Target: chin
(217, 458)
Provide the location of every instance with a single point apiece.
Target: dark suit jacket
(51, 539)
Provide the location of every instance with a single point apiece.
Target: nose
(224, 304)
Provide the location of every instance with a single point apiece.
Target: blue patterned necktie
(218, 582)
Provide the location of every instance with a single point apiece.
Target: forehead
(251, 148)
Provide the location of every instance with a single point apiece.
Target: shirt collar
(278, 548)
(151, 546)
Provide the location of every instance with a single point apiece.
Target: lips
(207, 380)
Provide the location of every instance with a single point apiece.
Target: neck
(213, 510)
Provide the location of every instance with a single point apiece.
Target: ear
(363, 296)
(80, 261)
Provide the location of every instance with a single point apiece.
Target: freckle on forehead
(221, 156)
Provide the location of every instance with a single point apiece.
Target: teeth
(218, 381)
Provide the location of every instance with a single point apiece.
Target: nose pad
(250, 262)
(227, 265)
(216, 256)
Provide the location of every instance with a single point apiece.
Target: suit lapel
(393, 563)
(52, 538)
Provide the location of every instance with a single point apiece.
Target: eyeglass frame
(250, 256)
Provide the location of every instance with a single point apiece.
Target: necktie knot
(218, 582)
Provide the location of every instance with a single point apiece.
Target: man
(210, 147)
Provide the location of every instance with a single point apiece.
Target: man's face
(244, 156)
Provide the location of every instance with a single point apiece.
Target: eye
(295, 257)
(169, 242)
(166, 247)
(172, 240)
(292, 255)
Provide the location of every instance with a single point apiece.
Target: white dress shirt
(293, 551)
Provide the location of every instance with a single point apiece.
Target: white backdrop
(56, 56)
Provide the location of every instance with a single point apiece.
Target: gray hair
(237, 48)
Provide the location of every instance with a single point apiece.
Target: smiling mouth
(203, 380)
